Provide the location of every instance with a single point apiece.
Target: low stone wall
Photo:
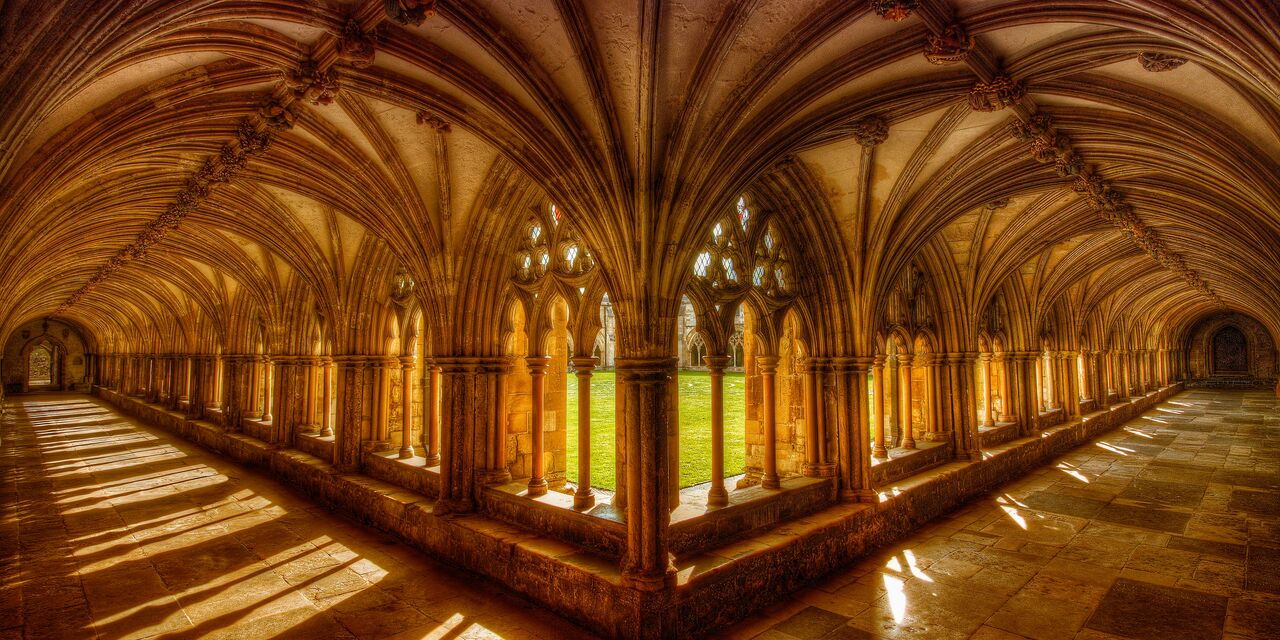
(713, 591)
(809, 548)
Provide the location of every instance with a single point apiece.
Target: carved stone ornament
(402, 285)
(277, 116)
(357, 47)
(1001, 92)
(951, 46)
(1038, 124)
(434, 121)
(1157, 62)
(871, 131)
(312, 84)
(409, 12)
(895, 10)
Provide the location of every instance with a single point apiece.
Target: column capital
(844, 364)
(767, 364)
(585, 364)
(717, 364)
(645, 370)
(538, 365)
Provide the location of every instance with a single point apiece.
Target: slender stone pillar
(254, 365)
(538, 366)
(406, 412)
(893, 402)
(717, 495)
(768, 376)
(268, 386)
(326, 400)
(1123, 389)
(309, 415)
(877, 373)
(432, 429)
(646, 564)
(988, 417)
(1008, 410)
(583, 497)
(853, 420)
(908, 429)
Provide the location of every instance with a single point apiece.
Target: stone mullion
(647, 563)
(583, 497)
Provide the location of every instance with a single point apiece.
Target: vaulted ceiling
(159, 158)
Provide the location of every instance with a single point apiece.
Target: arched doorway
(1230, 352)
(43, 370)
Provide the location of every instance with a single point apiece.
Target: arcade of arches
(381, 248)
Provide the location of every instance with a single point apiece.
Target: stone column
(326, 400)
(853, 420)
(904, 373)
(768, 372)
(988, 419)
(254, 365)
(268, 386)
(406, 412)
(893, 400)
(497, 469)
(312, 424)
(584, 498)
(646, 564)
(1027, 394)
(1071, 401)
(538, 366)
(814, 442)
(1122, 389)
(877, 374)
(717, 496)
(353, 393)
(1008, 412)
(431, 431)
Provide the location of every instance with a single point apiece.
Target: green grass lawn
(695, 427)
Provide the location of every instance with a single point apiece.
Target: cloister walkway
(116, 530)
(1167, 528)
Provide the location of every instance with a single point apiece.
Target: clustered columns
(904, 376)
(583, 497)
(538, 366)
(644, 386)
(816, 464)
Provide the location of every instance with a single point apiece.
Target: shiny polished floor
(111, 529)
(1165, 529)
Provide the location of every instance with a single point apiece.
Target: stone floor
(1165, 529)
(115, 530)
(1168, 528)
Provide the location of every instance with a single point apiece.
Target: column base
(488, 477)
(770, 482)
(584, 499)
(433, 460)
(717, 496)
(537, 488)
(406, 453)
(650, 581)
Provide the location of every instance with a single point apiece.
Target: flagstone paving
(1165, 529)
(115, 530)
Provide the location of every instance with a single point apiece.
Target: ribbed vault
(175, 174)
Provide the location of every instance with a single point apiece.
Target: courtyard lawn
(695, 427)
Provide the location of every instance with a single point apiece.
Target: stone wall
(74, 356)
(1260, 349)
